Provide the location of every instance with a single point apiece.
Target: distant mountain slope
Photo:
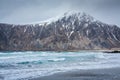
(76, 31)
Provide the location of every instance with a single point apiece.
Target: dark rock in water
(112, 51)
(77, 31)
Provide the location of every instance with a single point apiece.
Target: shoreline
(95, 50)
(90, 74)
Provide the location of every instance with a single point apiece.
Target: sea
(32, 64)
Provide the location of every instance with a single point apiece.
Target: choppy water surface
(25, 65)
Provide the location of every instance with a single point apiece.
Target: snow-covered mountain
(71, 31)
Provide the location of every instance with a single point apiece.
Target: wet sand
(91, 74)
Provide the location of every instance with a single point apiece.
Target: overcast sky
(29, 11)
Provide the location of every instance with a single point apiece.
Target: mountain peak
(71, 15)
(71, 31)
(68, 13)
(80, 16)
(77, 13)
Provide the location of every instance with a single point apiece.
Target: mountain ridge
(76, 31)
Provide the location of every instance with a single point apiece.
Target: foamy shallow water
(25, 65)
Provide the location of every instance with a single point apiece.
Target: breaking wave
(33, 64)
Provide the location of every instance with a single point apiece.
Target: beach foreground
(82, 65)
(91, 74)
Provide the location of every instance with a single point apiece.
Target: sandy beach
(92, 74)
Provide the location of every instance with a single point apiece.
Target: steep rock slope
(76, 31)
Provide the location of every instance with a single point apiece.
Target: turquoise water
(25, 65)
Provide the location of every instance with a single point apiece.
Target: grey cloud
(26, 11)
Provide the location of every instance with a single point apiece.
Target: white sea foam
(24, 65)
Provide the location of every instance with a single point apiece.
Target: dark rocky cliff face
(77, 31)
